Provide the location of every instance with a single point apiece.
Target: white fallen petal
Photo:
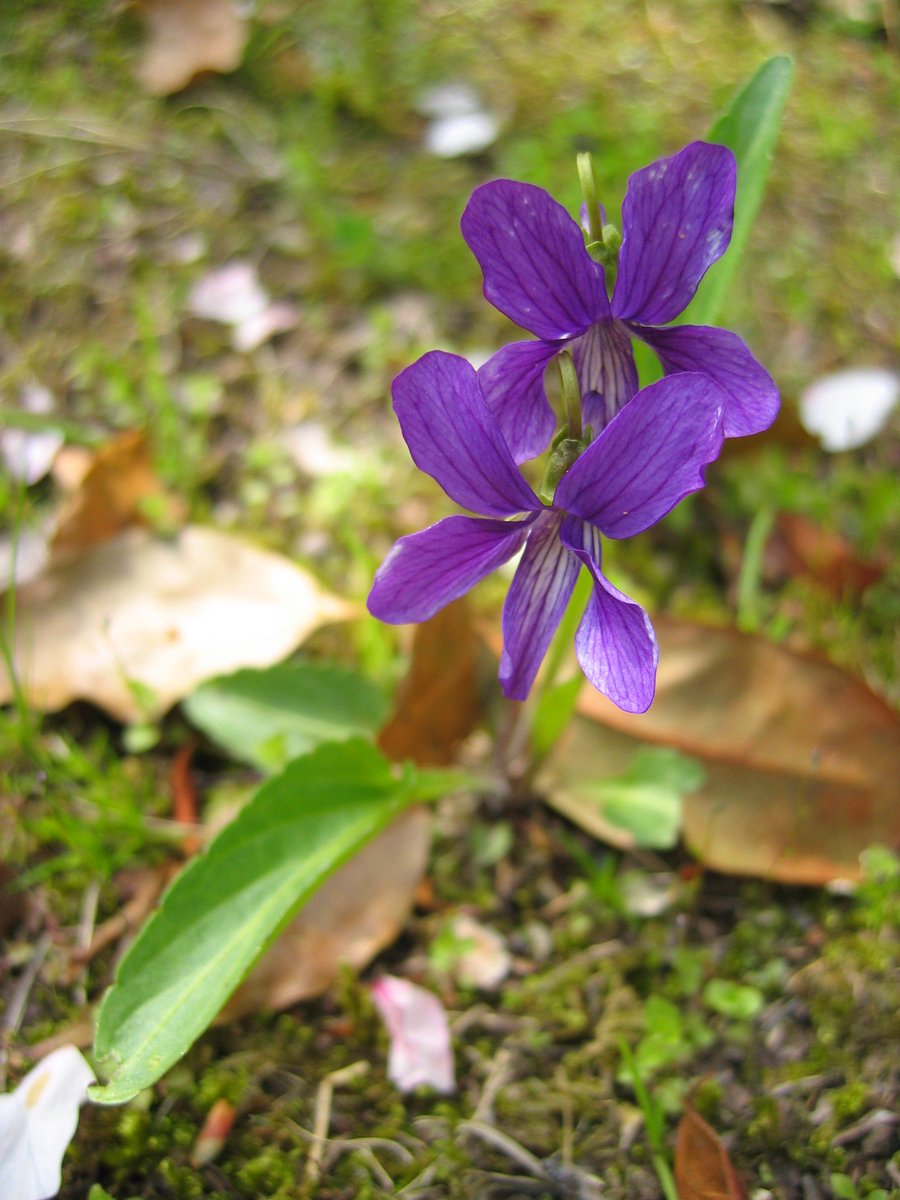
(462, 133)
(648, 895)
(230, 294)
(316, 454)
(848, 408)
(448, 100)
(29, 455)
(22, 558)
(420, 1050)
(485, 962)
(37, 1122)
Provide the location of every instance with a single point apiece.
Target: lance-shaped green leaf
(228, 904)
(267, 717)
(749, 128)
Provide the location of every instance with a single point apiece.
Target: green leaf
(647, 799)
(228, 904)
(268, 717)
(749, 128)
(737, 1000)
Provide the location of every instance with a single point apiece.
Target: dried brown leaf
(138, 622)
(801, 759)
(703, 1170)
(800, 547)
(438, 704)
(114, 482)
(186, 38)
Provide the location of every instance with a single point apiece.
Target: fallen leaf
(115, 480)
(186, 38)
(37, 1122)
(801, 759)
(420, 1050)
(438, 703)
(358, 911)
(803, 548)
(138, 622)
(703, 1170)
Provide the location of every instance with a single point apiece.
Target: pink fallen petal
(258, 328)
(420, 1051)
(37, 1122)
(231, 294)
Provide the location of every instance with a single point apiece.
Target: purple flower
(676, 222)
(643, 462)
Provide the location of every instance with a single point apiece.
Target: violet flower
(642, 463)
(676, 222)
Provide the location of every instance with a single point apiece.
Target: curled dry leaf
(801, 760)
(358, 911)
(703, 1170)
(113, 483)
(186, 38)
(138, 622)
(438, 703)
(800, 547)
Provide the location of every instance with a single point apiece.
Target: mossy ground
(308, 161)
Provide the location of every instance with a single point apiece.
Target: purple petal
(751, 403)
(536, 269)
(512, 382)
(648, 457)
(607, 374)
(426, 570)
(676, 221)
(615, 642)
(453, 436)
(535, 605)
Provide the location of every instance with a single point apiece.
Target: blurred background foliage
(308, 161)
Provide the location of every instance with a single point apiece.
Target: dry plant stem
(513, 749)
(322, 1116)
(12, 1018)
(506, 1145)
(498, 1077)
(86, 924)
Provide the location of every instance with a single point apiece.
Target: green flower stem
(568, 378)
(589, 191)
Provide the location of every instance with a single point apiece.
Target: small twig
(857, 1131)
(562, 1084)
(506, 1145)
(86, 923)
(15, 1011)
(595, 953)
(322, 1116)
(498, 1077)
